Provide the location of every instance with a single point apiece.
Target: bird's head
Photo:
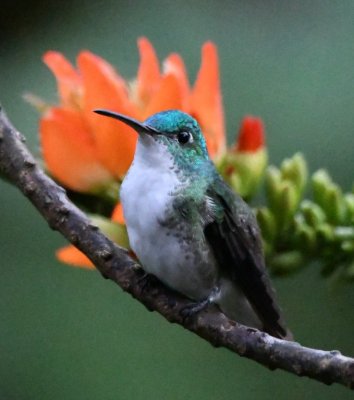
(172, 131)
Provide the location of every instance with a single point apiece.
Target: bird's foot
(191, 309)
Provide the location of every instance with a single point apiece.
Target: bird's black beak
(133, 123)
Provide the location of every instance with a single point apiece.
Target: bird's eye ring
(184, 137)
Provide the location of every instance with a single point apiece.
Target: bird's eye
(184, 137)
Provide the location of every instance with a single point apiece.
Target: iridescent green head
(175, 130)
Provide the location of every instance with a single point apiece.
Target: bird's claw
(191, 309)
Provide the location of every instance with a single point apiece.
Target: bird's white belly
(146, 201)
(163, 255)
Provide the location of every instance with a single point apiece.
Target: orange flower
(73, 256)
(80, 150)
(251, 135)
(86, 152)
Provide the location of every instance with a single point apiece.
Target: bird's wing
(235, 239)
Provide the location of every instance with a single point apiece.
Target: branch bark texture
(114, 263)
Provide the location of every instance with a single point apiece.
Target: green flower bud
(305, 237)
(334, 205)
(329, 196)
(273, 187)
(349, 204)
(320, 182)
(287, 204)
(313, 214)
(325, 233)
(114, 231)
(295, 170)
(267, 224)
(283, 194)
(244, 170)
(286, 263)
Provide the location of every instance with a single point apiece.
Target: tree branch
(114, 263)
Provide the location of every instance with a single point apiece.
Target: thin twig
(115, 264)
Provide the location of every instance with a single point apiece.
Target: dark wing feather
(236, 243)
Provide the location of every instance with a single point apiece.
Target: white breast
(146, 198)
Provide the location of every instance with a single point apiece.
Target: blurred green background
(69, 334)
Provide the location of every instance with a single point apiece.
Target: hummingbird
(189, 228)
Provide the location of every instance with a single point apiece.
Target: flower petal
(149, 72)
(118, 215)
(73, 256)
(167, 97)
(174, 65)
(69, 152)
(69, 81)
(206, 102)
(251, 135)
(103, 88)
